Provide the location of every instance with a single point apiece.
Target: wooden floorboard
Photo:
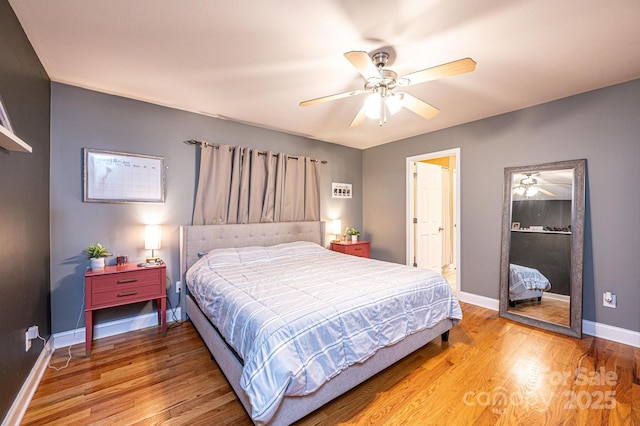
(492, 371)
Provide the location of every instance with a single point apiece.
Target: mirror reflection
(542, 237)
(540, 246)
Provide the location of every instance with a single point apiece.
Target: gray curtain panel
(243, 185)
(214, 183)
(312, 190)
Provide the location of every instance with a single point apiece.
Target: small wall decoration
(340, 190)
(515, 225)
(118, 177)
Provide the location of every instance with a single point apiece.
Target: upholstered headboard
(198, 239)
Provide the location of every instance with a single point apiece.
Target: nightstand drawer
(126, 294)
(358, 248)
(361, 250)
(125, 280)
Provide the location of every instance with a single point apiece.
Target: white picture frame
(341, 190)
(119, 177)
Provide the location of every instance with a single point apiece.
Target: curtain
(243, 185)
(214, 185)
(312, 190)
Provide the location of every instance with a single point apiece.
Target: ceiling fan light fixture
(372, 106)
(531, 191)
(528, 181)
(394, 103)
(519, 190)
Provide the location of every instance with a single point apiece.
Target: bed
(526, 283)
(236, 354)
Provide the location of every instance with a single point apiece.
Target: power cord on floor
(72, 338)
(176, 322)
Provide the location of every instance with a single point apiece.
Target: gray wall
(24, 208)
(83, 118)
(601, 126)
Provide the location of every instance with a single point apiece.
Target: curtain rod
(216, 146)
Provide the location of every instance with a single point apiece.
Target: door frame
(411, 200)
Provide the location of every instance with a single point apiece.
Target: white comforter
(298, 314)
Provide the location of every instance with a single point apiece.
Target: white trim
(610, 332)
(482, 301)
(112, 328)
(595, 329)
(409, 211)
(23, 399)
(556, 296)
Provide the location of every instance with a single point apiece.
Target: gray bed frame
(203, 238)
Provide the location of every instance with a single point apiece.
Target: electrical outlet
(178, 286)
(27, 341)
(32, 332)
(609, 299)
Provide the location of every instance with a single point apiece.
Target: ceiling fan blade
(450, 69)
(363, 64)
(359, 118)
(330, 98)
(545, 192)
(419, 107)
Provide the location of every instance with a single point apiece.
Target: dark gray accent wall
(24, 208)
(601, 126)
(82, 118)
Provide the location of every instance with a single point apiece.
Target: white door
(429, 216)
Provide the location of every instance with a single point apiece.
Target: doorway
(433, 213)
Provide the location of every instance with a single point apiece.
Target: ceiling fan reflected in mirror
(529, 187)
(380, 83)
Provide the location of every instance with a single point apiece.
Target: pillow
(246, 255)
(302, 248)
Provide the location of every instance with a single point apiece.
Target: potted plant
(97, 252)
(353, 232)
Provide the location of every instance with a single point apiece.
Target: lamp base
(154, 260)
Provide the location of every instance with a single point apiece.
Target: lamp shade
(152, 237)
(336, 227)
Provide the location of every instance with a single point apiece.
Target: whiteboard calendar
(118, 177)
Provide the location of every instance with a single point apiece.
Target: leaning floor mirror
(542, 245)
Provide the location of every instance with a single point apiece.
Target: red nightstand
(354, 248)
(120, 285)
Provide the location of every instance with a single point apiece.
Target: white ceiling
(253, 61)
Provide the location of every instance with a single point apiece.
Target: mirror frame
(577, 246)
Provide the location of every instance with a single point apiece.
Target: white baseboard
(602, 331)
(610, 332)
(554, 296)
(23, 399)
(112, 328)
(482, 301)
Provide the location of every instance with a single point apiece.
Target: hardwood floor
(492, 371)
(552, 310)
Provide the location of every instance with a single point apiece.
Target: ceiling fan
(529, 187)
(380, 82)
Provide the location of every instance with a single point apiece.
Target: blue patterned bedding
(523, 279)
(298, 314)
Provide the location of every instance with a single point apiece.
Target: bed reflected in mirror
(541, 271)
